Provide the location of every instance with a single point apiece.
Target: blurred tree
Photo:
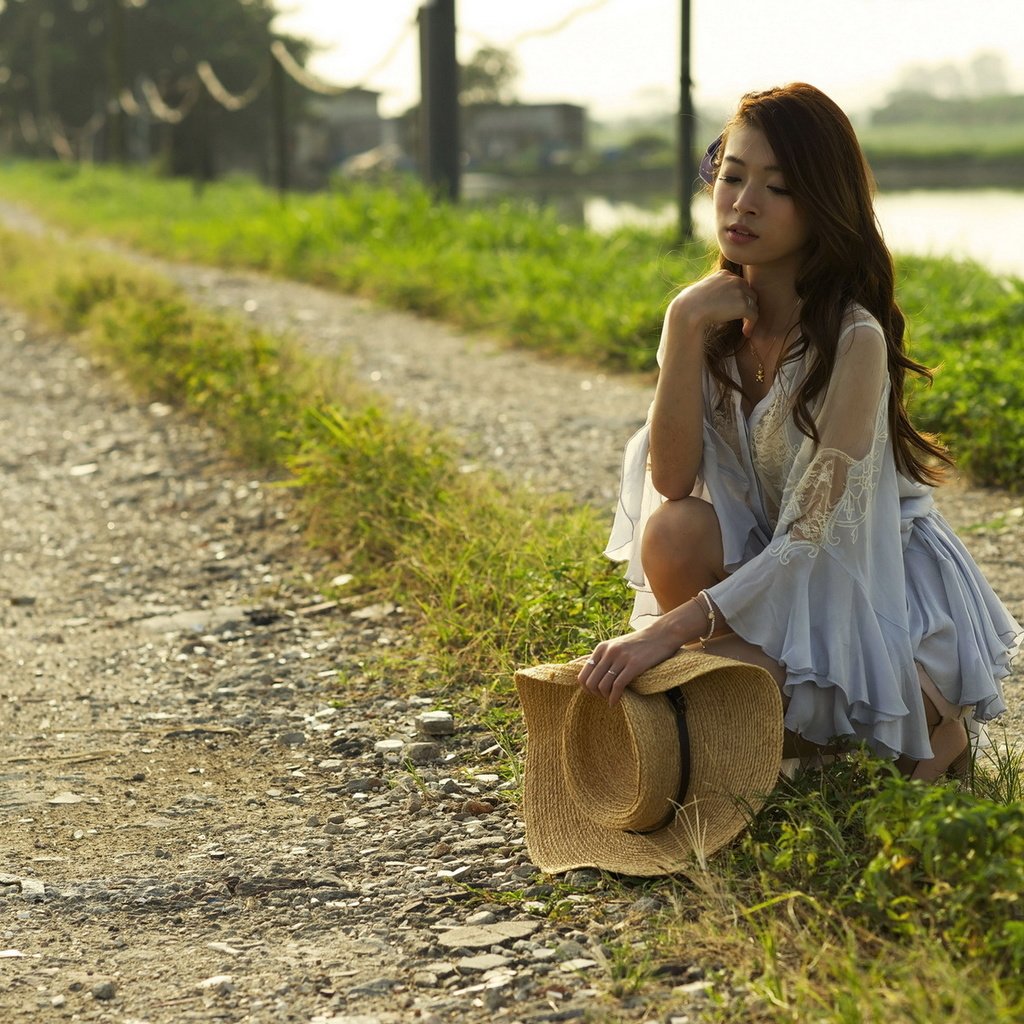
(990, 75)
(489, 77)
(64, 62)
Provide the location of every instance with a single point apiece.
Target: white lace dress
(840, 568)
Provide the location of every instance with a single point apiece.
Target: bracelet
(710, 612)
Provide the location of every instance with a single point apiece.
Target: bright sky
(616, 56)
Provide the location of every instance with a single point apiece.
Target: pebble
(423, 753)
(435, 723)
(481, 962)
(486, 935)
(222, 984)
(104, 990)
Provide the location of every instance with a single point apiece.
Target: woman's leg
(946, 732)
(682, 555)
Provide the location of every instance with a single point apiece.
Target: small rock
(578, 964)
(391, 746)
(454, 874)
(481, 917)
(481, 962)
(292, 739)
(583, 878)
(222, 984)
(477, 808)
(435, 723)
(487, 935)
(104, 990)
(423, 753)
(57, 1002)
(374, 987)
(66, 798)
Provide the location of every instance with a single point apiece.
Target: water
(986, 225)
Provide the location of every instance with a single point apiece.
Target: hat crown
(622, 765)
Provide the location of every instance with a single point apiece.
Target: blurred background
(573, 104)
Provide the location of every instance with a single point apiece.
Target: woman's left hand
(617, 662)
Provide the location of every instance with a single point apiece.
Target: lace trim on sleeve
(831, 501)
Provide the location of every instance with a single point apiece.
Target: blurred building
(545, 133)
(332, 130)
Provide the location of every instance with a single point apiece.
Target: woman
(777, 506)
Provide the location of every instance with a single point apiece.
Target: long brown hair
(846, 260)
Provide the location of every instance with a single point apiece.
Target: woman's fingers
(606, 674)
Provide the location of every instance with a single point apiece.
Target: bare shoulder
(861, 336)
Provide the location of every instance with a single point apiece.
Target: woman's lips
(740, 235)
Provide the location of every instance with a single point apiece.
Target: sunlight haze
(622, 56)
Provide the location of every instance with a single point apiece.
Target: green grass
(517, 273)
(939, 141)
(855, 897)
(500, 577)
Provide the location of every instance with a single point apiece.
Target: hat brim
(734, 722)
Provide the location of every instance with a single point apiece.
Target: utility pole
(686, 170)
(41, 73)
(440, 155)
(279, 117)
(115, 81)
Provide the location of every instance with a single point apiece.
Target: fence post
(686, 171)
(279, 123)
(440, 155)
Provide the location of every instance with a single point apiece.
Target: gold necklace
(759, 372)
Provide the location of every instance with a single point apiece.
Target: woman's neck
(777, 300)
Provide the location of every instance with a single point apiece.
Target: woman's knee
(683, 534)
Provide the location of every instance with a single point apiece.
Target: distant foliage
(517, 272)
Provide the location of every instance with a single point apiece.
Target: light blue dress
(840, 567)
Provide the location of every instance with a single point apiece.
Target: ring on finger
(591, 662)
(613, 671)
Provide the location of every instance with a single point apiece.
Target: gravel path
(199, 824)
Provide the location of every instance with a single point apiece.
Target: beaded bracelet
(702, 598)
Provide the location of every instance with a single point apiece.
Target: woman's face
(757, 221)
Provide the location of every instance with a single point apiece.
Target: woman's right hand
(716, 299)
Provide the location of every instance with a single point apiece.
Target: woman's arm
(678, 411)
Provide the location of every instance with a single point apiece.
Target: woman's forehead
(748, 147)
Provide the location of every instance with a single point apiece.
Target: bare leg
(682, 550)
(682, 555)
(947, 733)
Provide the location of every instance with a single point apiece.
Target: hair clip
(707, 165)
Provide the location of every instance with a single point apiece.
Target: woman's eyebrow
(743, 163)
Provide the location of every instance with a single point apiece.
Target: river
(986, 225)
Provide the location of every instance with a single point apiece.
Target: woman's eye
(729, 179)
(779, 190)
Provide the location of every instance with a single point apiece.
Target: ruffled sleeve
(827, 597)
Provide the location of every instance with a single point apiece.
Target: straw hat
(677, 768)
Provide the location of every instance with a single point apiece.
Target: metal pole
(279, 118)
(115, 81)
(439, 98)
(686, 169)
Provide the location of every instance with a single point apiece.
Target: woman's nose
(744, 202)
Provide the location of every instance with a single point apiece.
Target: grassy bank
(851, 900)
(520, 275)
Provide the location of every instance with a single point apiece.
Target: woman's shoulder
(854, 316)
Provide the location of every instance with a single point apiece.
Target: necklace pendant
(759, 376)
